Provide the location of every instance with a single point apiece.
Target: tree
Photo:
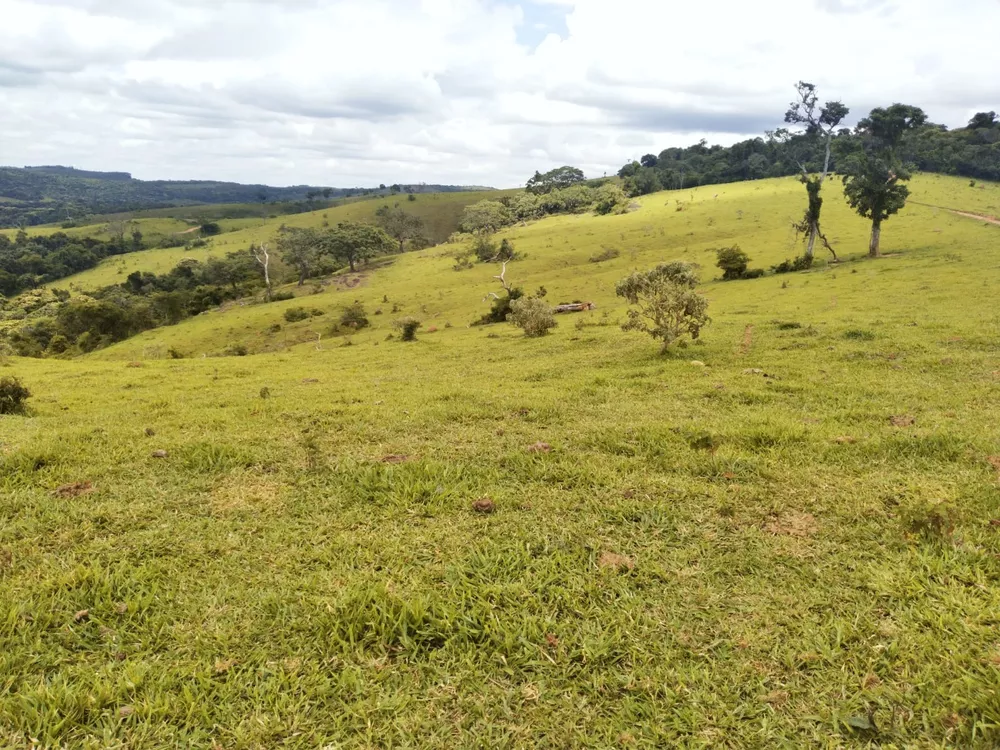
(669, 307)
(260, 253)
(300, 249)
(643, 182)
(556, 179)
(819, 122)
(327, 192)
(350, 242)
(118, 229)
(486, 217)
(983, 120)
(398, 224)
(649, 161)
(873, 170)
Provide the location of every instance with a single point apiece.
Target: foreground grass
(779, 537)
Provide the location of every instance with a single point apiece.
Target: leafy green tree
(668, 305)
(733, 261)
(820, 123)
(350, 242)
(556, 179)
(649, 161)
(486, 217)
(643, 182)
(398, 224)
(874, 174)
(611, 199)
(300, 248)
(983, 120)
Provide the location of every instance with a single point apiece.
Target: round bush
(13, 394)
(532, 316)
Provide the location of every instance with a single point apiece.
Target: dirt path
(987, 219)
(966, 214)
(189, 231)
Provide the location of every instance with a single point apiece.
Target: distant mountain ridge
(45, 194)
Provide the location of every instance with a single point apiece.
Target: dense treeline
(972, 152)
(43, 195)
(29, 262)
(56, 324)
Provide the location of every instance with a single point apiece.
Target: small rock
(150, 432)
(902, 420)
(698, 363)
(82, 615)
(484, 506)
(126, 711)
(161, 454)
(540, 448)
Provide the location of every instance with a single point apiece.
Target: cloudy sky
(359, 92)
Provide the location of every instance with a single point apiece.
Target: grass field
(441, 213)
(782, 536)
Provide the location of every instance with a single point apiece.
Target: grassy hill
(441, 213)
(781, 536)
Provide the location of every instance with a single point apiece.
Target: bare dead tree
(261, 255)
(503, 282)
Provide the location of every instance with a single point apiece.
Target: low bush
(354, 317)
(13, 395)
(532, 316)
(607, 253)
(734, 261)
(295, 314)
(282, 296)
(801, 263)
(407, 328)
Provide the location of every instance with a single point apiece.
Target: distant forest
(972, 152)
(45, 195)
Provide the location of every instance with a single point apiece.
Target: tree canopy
(556, 179)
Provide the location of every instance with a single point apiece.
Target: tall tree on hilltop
(398, 224)
(819, 122)
(873, 170)
(556, 179)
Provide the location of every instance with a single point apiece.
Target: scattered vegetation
(407, 328)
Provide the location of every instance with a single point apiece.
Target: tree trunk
(302, 277)
(402, 241)
(873, 247)
(813, 232)
(351, 261)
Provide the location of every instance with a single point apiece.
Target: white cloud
(347, 92)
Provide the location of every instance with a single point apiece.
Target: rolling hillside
(781, 535)
(441, 213)
(755, 215)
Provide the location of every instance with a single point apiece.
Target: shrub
(235, 350)
(791, 266)
(532, 316)
(407, 328)
(611, 199)
(669, 308)
(13, 394)
(295, 314)
(411, 197)
(354, 317)
(58, 344)
(932, 521)
(210, 229)
(753, 273)
(733, 262)
(858, 334)
(463, 261)
(282, 296)
(501, 308)
(174, 353)
(608, 253)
